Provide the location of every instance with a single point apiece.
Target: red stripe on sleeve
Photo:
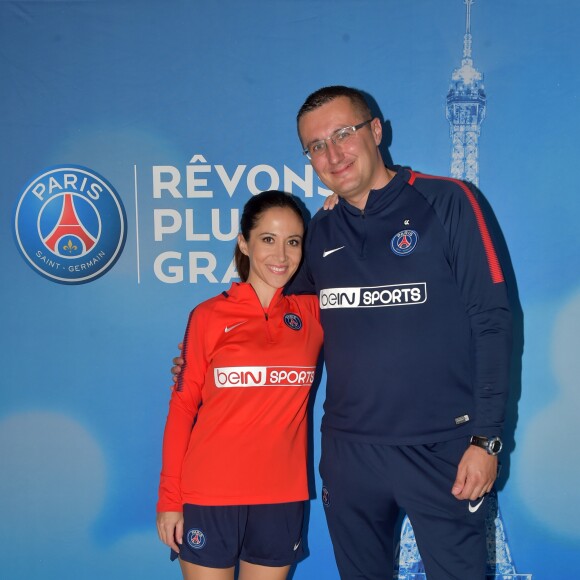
(492, 260)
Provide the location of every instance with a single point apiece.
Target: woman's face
(274, 249)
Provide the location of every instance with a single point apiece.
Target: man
(417, 334)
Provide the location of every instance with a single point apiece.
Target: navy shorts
(264, 534)
(366, 486)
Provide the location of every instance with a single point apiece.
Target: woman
(233, 482)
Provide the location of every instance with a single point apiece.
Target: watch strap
(492, 445)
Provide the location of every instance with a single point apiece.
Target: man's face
(350, 169)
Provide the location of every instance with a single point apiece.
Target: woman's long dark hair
(255, 207)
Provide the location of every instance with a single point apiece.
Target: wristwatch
(492, 445)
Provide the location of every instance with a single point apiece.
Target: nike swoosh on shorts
(474, 508)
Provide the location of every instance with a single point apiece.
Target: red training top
(244, 389)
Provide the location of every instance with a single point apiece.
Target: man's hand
(170, 528)
(177, 364)
(330, 201)
(476, 473)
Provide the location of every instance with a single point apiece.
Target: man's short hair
(328, 94)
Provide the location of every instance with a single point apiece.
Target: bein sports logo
(229, 377)
(374, 296)
(70, 224)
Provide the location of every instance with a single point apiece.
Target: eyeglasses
(339, 137)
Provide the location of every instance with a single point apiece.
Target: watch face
(495, 446)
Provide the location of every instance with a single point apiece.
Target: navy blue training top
(417, 327)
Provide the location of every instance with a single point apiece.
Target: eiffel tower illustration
(466, 109)
(68, 224)
(500, 565)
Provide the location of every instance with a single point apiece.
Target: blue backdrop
(177, 111)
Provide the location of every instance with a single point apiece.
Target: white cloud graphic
(52, 490)
(549, 477)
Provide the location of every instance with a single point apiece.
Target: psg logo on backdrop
(70, 224)
(404, 242)
(196, 539)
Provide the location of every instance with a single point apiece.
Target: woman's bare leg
(254, 572)
(195, 572)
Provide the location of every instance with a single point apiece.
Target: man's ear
(377, 130)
